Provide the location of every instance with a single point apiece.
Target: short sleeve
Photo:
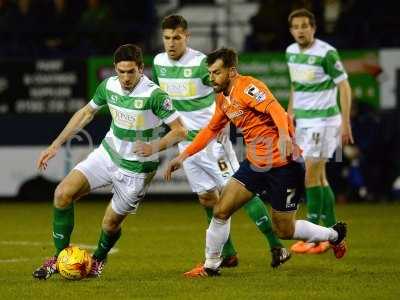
(256, 94)
(334, 67)
(100, 96)
(161, 105)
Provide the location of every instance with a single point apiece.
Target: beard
(220, 87)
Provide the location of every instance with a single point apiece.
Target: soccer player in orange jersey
(273, 167)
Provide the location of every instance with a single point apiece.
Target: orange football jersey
(247, 107)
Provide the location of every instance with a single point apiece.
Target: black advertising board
(42, 86)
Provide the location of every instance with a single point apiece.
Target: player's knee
(62, 197)
(208, 199)
(221, 213)
(110, 227)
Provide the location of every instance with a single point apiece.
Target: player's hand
(144, 149)
(173, 165)
(45, 156)
(285, 146)
(347, 134)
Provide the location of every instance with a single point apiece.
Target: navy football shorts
(282, 187)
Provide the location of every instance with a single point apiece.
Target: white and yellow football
(74, 263)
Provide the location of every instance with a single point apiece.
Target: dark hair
(302, 12)
(174, 22)
(227, 55)
(129, 52)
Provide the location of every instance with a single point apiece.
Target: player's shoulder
(246, 82)
(292, 48)
(161, 59)
(192, 58)
(321, 48)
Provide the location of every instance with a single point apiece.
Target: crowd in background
(62, 28)
(48, 28)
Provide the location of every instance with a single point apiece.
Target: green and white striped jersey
(314, 74)
(186, 81)
(136, 115)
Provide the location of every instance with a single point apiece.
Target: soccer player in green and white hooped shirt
(316, 73)
(127, 157)
(182, 72)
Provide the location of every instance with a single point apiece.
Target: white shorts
(318, 142)
(210, 168)
(128, 188)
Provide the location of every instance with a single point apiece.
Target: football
(74, 263)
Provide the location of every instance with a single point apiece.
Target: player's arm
(207, 134)
(345, 105)
(290, 104)
(334, 68)
(177, 133)
(79, 120)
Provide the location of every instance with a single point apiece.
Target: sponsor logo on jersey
(187, 72)
(185, 88)
(122, 118)
(234, 114)
(254, 92)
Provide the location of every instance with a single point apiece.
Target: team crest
(163, 71)
(291, 58)
(254, 92)
(138, 103)
(187, 72)
(167, 105)
(311, 60)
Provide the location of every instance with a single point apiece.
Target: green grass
(166, 238)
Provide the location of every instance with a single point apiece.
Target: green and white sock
(257, 211)
(63, 224)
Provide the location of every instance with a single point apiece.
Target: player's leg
(225, 156)
(284, 199)
(109, 235)
(328, 215)
(311, 141)
(332, 141)
(208, 200)
(129, 190)
(71, 188)
(87, 175)
(234, 195)
(199, 170)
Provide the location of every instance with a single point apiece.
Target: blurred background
(53, 53)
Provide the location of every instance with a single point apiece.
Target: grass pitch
(167, 238)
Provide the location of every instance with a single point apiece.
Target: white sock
(309, 232)
(216, 237)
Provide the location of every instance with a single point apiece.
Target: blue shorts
(282, 187)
